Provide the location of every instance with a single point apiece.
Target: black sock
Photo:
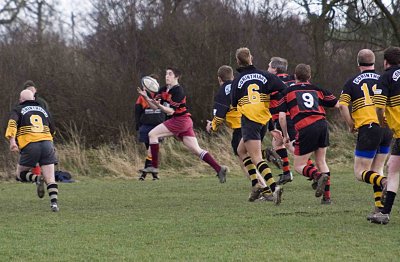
(390, 196)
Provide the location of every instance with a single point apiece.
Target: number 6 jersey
(29, 122)
(305, 103)
(251, 93)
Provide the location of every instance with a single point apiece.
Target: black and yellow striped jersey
(387, 96)
(29, 122)
(359, 92)
(223, 110)
(251, 93)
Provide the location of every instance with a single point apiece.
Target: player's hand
(276, 134)
(286, 140)
(209, 126)
(352, 128)
(142, 92)
(14, 147)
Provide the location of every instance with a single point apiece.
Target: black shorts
(252, 130)
(290, 128)
(368, 140)
(386, 141)
(144, 131)
(311, 138)
(396, 147)
(236, 136)
(42, 152)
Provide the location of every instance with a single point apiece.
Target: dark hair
(225, 73)
(392, 55)
(176, 71)
(303, 72)
(29, 83)
(155, 76)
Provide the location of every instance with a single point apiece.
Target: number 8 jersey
(29, 122)
(306, 103)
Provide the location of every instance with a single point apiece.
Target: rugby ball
(150, 84)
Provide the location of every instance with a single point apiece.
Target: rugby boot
(54, 207)
(277, 195)
(321, 182)
(375, 211)
(285, 178)
(271, 156)
(222, 174)
(40, 186)
(266, 195)
(379, 218)
(255, 192)
(326, 201)
(150, 169)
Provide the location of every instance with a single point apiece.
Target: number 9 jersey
(251, 93)
(306, 103)
(29, 122)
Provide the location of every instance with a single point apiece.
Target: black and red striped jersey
(359, 92)
(223, 110)
(287, 79)
(251, 91)
(29, 122)
(274, 102)
(305, 103)
(145, 115)
(174, 98)
(387, 95)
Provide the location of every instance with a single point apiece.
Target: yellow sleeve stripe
(11, 129)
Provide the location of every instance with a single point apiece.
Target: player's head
(302, 73)
(26, 95)
(30, 85)
(365, 58)
(391, 56)
(277, 65)
(244, 57)
(172, 75)
(225, 73)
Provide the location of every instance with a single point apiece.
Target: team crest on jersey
(396, 75)
(249, 77)
(227, 89)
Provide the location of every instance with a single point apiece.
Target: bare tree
(10, 10)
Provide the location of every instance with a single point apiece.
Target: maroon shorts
(180, 126)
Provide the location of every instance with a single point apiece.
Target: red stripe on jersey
(307, 121)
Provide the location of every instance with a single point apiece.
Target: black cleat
(285, 178)
(271, 156)
(321, 182)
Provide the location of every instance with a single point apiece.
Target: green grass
(193, 219)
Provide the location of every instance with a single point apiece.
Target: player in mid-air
(250, 94)
(373, 142)
(306, 103)
(171, 99)
(223, 111)
(30, 132)
(388, 97)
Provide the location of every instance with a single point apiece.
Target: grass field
(193, 219)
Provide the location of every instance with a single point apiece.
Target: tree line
(89, 74)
